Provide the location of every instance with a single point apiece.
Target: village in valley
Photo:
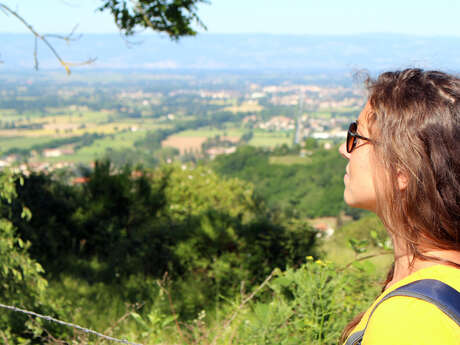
(48, 126)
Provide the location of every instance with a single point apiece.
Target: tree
(176, 18)
(21, 276)
(173, 17)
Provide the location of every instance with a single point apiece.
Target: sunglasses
(352, 137)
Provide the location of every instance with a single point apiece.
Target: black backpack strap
(446, 298)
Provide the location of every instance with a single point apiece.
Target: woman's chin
(363, 204)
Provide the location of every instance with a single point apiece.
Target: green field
(59, 123)
(270, 139)
(290, 159)
(7, 143)
(120, 132)
(99, 147)
(338, 249)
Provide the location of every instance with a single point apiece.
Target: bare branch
(132, 308)
(129, 43)
(246, 300)
(171, 304)
(70, 37)
(146, 18)
(362, 258)
(4, 338)
(65, 64)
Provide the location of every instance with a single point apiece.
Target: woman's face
(359, 183)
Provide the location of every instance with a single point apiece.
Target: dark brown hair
(415, 124)
(415, 118)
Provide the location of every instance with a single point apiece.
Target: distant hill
(255, 52)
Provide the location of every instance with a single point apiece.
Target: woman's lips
(346, 176)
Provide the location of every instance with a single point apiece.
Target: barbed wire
(68, 324)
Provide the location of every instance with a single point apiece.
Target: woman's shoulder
(447, 274)
(408, 320)
(404, 320)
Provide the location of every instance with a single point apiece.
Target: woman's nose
(343, 151)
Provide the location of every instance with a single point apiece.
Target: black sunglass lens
(351, 140)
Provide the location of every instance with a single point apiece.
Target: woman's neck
(405, 264)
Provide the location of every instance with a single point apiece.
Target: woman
(403, 157)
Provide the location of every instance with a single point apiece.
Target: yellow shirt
(403, 320)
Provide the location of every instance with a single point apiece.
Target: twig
(246, 300)
(146, 18)
(370, 256)
(67, 38)
(171, 305)
(121, 319)
(4, 338)
(49, 335)
(129, 43)
(4, 11)
(65, 64)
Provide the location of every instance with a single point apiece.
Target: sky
(324, 17)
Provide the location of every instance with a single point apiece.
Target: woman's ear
(403, 180)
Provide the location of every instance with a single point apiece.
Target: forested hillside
(312, 189)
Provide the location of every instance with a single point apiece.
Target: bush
(22, 284)
(308, 305)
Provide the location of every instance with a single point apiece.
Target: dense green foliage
(204, 231)
(174, 18)
(308, 305)
(310, 190)
(178, 243)
(182, 243)
(22, 283)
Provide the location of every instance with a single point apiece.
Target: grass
(95, 306)
(337, 248)
(263, 138)
(7, 143)
(74, 122)
(67, 122)
(242, 318)
(322, 114)
(289, 160)
(99, 147)
(8, 111)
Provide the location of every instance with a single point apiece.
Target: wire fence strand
(68, 324)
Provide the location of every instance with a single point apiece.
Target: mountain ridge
(377, 51)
